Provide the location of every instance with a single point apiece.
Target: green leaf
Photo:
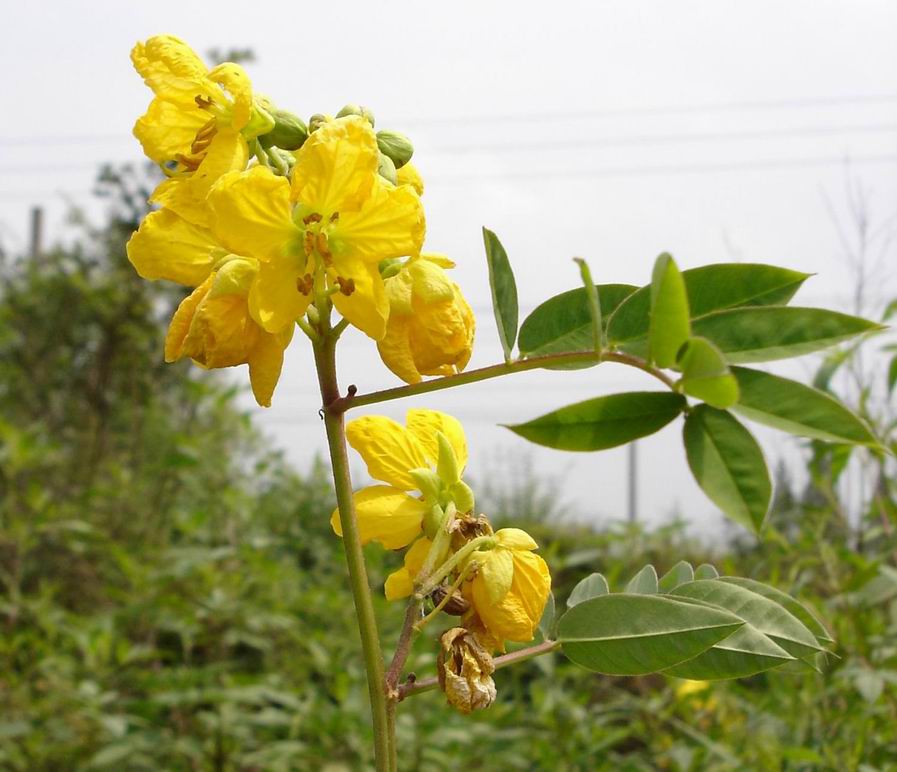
(679, 574)
(594, 303)
(604, 422)
(706, 571)
(744, 653)
(668, 327)
(728, 464)
(705, 374)
(644, 582)
(892, 375)
(590, 587)
(504, 291)
(710, 288)
(625, 634)
(798, 409)
(787, 602)
(564, 323)
(764, 614)
(764, 334)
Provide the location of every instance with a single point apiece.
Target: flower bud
(353, 109)
(387, 169)
(316, 121)
(289, 131)
(465, 670)
(397, 146)
(462, 494)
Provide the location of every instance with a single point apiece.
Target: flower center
(316, 230)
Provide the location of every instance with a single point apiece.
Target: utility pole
(37, 232)
(633, 483)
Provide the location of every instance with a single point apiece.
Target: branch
(353, 400)
(413, 686)
(403, 648)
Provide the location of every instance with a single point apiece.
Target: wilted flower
(465, 670)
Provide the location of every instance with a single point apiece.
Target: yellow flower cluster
(494, 579)
(267, 234)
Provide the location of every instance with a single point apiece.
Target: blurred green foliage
(171, 596)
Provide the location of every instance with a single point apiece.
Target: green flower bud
(433, 520)
(390, 267)
(289, 132)
(397, 146)
(388, 169)
(352, 109)
(316, 121)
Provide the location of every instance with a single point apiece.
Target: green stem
(382, 718)
(494, 371)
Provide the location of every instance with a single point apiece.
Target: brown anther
(334, 217)
(313, 217)
(308, 243)
(305, 284)
(203, 102)
(200, 144)
(346, 286)
(323, 251)
(208, 129)
(190, 162)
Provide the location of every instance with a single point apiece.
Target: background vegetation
(171, 596)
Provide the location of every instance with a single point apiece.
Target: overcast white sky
(611, 130)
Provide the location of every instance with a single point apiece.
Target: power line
(660, 139)
(747, 105)
(669, 169)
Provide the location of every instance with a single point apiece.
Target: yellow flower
(431, 326)
(198, 124)
(409, 175)
(337, 220)
(395, 454)
(400, 583)
(212, 326)
(510, 587)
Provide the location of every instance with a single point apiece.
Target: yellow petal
(168, 247)
(265, 364)
(173, 70)
(367, 307)
(336, 167)
(400, 584)
(515, 539)
(251, 213)
(430, 283)
(424, 424)
(531, 584)
(222, 333)
(395, 350)
(180, 322)
(275, 300)
(187, 194)
(438, 258)
(166, 130)
(235, 80)
(496, 573)
(235, 277)
(409, 175)
(399, 290)
(385, 515)
(388, 450)
(389, 224)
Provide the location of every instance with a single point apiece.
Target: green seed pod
(397, 146)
